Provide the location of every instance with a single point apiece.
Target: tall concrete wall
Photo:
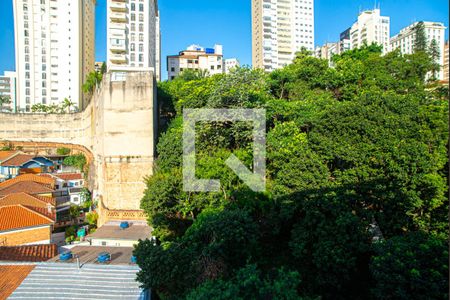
(119, 127)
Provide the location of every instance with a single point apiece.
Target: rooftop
(45, 180)
(11, 277)
(89, 254)
(66, 281)
(17, 160)
(112, 231)
(18, 216)
(69, 176)
(27, 200)
(31, 253)
(6, 154)
(29, 187)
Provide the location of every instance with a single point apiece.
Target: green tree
(103, 70)
(434, 55)
(413, 266)
(63, 151)
(78, 161)
(91, 82)
(4, 100)
(420, 43)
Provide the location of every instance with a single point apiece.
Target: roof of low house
(69, 176)
(89, 255)
(31, 253)
(29, 187)
(91, 281)
(18, 216)
(45, 180)
(11, 277)
(17, 160)
(27, 200)
(51, 214)
(113, 231)
(7, 154)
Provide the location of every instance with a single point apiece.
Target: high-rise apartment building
(370, 28)
(8, 90)
(196, 58)
(405, 40)
(446, 66)
(280, 28)
(55, 50)
(133, 35)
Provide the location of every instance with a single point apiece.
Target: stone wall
(118, 128)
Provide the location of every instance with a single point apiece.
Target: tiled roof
(28, 200)
(29, 187)
(7, 154)
(51, 214)
(31, 253)
(17, 160)
(11, 277)
(69, 176)
(18, 216)
(45, 180)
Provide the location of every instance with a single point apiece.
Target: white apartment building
(8, 89)
(280, 28)
(370, 28)
(230, 64)
(55, 50)
(133, 35)
(196, 58)
(327, 51)
(405, 40)
(446, 62)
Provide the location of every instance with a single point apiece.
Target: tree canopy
(359, 146)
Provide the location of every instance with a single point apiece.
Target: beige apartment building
(55, 50)
(280, 28)
(446, 67)
(195, 57)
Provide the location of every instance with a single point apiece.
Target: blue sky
(228, 22)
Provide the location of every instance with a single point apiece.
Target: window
(212, 67)
(172, 69)
(141, 17)
(141, 47)
(141, 27)
(141, 37)
(133, 37)
(141, 7)
(132, 47)
(141, 57)
(132, 57)
(133, 17)
(133, 27)
(133, 6)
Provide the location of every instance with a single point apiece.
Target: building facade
(230, 64)
(405, 40)
(55, 49)
(446, 55)
(132, 28)
(195, 57)
(280, 28)
(8, 84)
(370, 28)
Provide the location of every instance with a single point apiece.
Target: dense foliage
(355, 206)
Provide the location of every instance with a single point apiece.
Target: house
(22, 225)
(44, 180)
(28, 200)
(113, 234)
(20, 163)
(4, 155)
(29, 187)
(69, 185)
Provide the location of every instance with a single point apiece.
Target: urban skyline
(235, 34)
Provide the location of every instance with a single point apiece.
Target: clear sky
(228, 22)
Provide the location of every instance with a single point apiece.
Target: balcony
(121, 26)
(118, 17)
(118, 48)
(118, 6)
(118, 58)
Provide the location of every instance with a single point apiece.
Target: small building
(21, 225)
(113, 235)
(231, 64)
(196, 58)
(20, 163)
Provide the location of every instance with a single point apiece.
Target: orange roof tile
(28, 200)
(51, 214)
(17, 160)
(32, 253)
(29, 187)
(69, 176)
(18, 216)
(7, 154)
(11, 277)
(45, 180)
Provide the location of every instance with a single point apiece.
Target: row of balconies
(120, 17)
(120, 6)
